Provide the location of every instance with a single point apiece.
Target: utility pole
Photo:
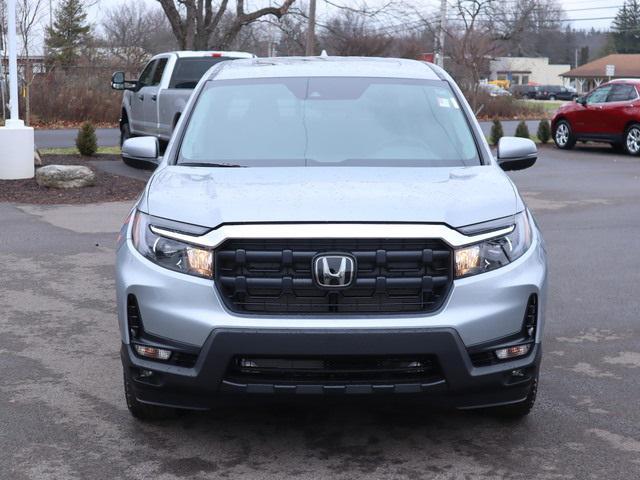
(439, 40)
(16, 140)
(13, 59)
(311, 30)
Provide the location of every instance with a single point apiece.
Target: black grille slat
(275, 276)
(335, 370)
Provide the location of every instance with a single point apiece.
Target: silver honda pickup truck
(152, 105)
(328, 226)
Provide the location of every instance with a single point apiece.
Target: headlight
(496, 252)
(169, 253)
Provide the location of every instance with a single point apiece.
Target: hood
(213, 196)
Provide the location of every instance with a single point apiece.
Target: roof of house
(627, 65)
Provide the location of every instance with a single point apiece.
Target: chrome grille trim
(331, 230)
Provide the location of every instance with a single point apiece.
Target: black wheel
(125, 133)
(519, 410)
(563, 137)
(552, 97)
(142, 411)
(632, 139)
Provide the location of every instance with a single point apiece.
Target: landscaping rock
(65, 176)
(37, 159)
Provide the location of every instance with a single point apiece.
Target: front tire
(632, 139)
(563, 137)
(143, 411)
(125, 133)
(552, 98)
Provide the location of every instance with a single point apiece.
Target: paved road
(62, 412)
(109, 137)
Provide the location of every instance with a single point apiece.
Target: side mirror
(143, 149)
(117, 81)
(581, 100)
(516, 153)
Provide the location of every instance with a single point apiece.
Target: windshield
(321, 121)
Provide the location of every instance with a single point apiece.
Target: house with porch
(590, 75)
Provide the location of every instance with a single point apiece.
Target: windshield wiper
(205, 164)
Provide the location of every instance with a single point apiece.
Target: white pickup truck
(152, 105)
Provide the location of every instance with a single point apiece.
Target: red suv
(609, 114)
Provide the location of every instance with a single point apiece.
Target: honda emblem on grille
(334, 270)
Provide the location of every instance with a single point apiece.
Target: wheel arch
(629, 124)
(557, 120)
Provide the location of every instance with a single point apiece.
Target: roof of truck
(326, 66)
(216, 53)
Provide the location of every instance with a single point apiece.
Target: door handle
(154, 97)
(141, 96)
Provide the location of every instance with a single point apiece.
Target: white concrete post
(16, 140)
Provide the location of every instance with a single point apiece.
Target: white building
(525, 70)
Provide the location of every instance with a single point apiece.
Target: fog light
(153, 352)
(513, 352)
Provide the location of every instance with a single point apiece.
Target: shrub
(496, 132)
(506, 107)
(522, 130)
(544, 131)
(86, 141)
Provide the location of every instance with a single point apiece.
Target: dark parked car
(609, 114)
(556, 92)
(524, 91)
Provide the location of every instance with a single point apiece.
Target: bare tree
(29, 15)
(195, 22)
(478, 30)
(132, 32)
(349, 33)
(293, 33)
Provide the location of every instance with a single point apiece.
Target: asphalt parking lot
(63, 416)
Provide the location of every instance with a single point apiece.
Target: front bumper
(205, 384)
(183, 310)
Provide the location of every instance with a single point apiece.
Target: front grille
(275, 276)
(334, 370)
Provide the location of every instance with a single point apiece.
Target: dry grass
(57, 97)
